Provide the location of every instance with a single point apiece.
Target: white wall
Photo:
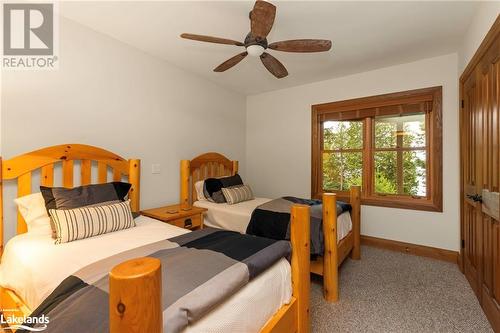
(279, 139)
(477, 30)
(108, 94)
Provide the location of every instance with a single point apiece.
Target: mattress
(32, 266)
(236, 217)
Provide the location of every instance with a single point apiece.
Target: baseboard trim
(414, 249)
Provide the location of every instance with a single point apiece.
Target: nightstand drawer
(189, 222)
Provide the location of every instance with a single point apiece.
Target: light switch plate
(155, 168)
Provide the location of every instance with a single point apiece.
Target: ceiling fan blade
(210, 39)
(302, 45)
(273, 65)
(230, 62)
(262, 18)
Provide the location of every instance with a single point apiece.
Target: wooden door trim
(488, 40)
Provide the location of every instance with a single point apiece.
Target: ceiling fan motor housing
(252, 40)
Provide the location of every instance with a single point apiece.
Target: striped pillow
(235, 194)
(85, 222)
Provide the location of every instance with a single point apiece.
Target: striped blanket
(199, 269)
(272, 220)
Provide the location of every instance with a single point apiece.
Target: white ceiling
(365, 35)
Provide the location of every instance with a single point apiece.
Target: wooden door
(480, 139)
(472, 180)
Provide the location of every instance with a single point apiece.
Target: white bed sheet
(236, 217)
(33, 266)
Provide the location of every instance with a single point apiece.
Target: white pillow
(32, 208)
(199, 190)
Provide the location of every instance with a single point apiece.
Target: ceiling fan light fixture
(255, 50)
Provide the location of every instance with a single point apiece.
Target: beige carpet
(394, 292)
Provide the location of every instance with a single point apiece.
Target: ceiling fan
(261, 22)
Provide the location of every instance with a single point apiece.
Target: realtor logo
(28, 29)
(28, 36)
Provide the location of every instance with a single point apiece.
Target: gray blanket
(199, 271)
(272, 220)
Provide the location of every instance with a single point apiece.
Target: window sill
(391, 202)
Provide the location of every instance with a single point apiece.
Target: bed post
(300, 239)
(134, 176)
(185, 166)
(330, 257)
(135, 296)
(1, 208)
(355, 194)
(235, 168)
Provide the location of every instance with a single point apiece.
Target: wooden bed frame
(126, 306)
(217, 165)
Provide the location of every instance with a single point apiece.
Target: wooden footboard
(336, 252)
(135, 289)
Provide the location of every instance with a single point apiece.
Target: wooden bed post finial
(185, 166)
(135, 296)
(355, 200)
(300, 239)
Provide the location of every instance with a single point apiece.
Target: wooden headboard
(200, 168)
(21, 168)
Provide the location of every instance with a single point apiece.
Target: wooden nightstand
(188, 219)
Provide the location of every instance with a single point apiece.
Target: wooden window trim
(364, 108)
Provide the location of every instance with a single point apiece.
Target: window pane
(414, 131)
(385, 132)
(386, 173)
(342, 135)
(414, 173)
(341, 170)
(409, 128)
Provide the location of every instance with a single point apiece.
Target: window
(342, 154)
(390, 145)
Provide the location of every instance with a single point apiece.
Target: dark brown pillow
(82, 196)
(212, 187)
(70, 198)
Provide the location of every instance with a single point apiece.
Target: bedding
(199, 190)
(235, 194)
(69, 198)
(237, 217)
(32, 209)
(32, 267)
(203, 268)
(90, 221)
(230, 217)
(272, 220)
(212, 187)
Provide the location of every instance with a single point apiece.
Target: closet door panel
(480, 166)
(472, 170)
(490, 105)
